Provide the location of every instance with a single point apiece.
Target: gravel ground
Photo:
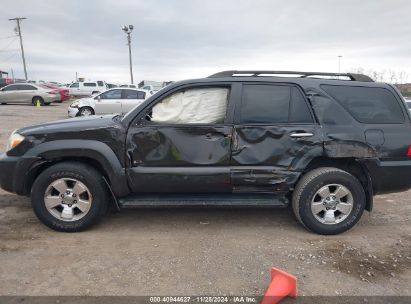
(197, 251)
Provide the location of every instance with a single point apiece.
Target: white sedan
(116, 100)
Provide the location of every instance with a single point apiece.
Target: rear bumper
(389, 176)
(14, 172)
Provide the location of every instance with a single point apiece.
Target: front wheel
(328, 200)
(69, 196)
(85, 111)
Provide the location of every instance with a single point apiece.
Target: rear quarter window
(367, 105)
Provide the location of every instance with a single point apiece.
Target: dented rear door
(274, 132)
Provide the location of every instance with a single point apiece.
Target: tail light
(53, 92)
(9, 81)
(409, 151)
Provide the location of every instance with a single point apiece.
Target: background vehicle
(64, 92)
(87, 88)
(111, 101)
(28, 93)
(323, 146)
(132, 86)
(4, 80)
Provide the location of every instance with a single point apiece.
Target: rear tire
(69, 196)
(37, 98)
(328, 201)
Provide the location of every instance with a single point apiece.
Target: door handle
(301, 134)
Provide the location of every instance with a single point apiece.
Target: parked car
(111, 101)
(64, 92)
(133, 86)
(87, 88)
(323, 146)
(28, 93)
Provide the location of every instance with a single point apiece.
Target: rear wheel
(328, 201)
(69, 196)
(85, 111)
(36, 100)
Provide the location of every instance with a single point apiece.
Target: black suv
(323, 143)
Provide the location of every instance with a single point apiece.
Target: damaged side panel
(263, 157)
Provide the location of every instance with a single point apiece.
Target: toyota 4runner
(323, 143)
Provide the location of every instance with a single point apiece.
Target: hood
(71, 125)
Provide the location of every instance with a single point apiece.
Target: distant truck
(152, 85)
(4, 79)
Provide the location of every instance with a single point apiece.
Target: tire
(93, 195)
(37, 98)
(4, 103)
(95, 92)
(315, 192)
(85, 111)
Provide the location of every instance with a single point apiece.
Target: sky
(180, 39)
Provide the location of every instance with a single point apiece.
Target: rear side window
(367, 105)
(89, 84)
(134, 94)
(273, 104)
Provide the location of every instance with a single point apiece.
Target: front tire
(328, 201)
(85, 111)
(69, 196)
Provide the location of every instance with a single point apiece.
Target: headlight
(75, 104)
(14, 140)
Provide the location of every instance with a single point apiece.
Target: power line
(8, 45)
(8, 37)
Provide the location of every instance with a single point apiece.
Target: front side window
(89, 84)
(367, 105)
(112, 94)
(13, 87)
(100, 83)
(268, 104)
(74, 85)
(192, 106)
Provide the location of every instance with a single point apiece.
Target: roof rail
(234, 73)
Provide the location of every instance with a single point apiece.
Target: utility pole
(18, 19)
(128, 30)
(339, 63)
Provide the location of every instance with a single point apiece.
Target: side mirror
(98, 98)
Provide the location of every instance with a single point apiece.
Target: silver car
(28, 93)
(116, 100)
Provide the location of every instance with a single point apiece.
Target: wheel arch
(94, 153)
(350, 165)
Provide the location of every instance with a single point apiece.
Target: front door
(274, 133)
(182, 141)
(108, 102)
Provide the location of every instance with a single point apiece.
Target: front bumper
(14, 171)
(72, 112)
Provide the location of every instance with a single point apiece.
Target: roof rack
(234, 73)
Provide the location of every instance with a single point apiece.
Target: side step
(212, 200)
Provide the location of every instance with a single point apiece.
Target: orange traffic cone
(282, 285)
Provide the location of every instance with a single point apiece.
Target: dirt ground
(197, 251)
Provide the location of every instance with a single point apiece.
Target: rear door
(274, 130)
(131, 98)
(109, 102)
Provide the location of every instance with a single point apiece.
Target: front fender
(89, 149)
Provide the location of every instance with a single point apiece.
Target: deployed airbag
(205, 105)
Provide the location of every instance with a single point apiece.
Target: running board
(198, 200)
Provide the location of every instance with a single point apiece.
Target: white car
(87, 88)
(116, 100)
